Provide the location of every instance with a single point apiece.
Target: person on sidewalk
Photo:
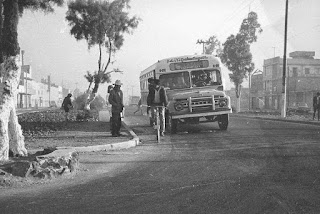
(159, 98)
(67, 105)
(316, 105)
(116, 100)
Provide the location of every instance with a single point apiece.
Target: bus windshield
(178, 80)
(202, 78)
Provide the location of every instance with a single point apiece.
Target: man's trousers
(116, 123)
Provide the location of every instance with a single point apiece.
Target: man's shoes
(162, 134)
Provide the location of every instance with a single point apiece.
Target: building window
(307, 71)
(294, 71)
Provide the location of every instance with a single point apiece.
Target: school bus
(195, 90)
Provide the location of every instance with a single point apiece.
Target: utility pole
(200, 41)
(284, 88)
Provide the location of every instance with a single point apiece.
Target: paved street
(255, 166)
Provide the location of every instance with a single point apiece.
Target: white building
(32, 94)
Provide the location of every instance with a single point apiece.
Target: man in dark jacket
(149, 101)
(316, 105)
(116, 100)
(67, 105)
(158, 98)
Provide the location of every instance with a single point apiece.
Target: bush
(97, 104)
(46, 122)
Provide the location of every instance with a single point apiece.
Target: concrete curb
(107, 147)
(278, 119)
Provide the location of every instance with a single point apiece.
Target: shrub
(97, 104)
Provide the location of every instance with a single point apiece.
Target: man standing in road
(316, 105)
(159, 98)
(67, 105)
(116, 100)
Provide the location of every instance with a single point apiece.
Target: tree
(236, 55)
(10, 129)
(213, 46)
(100, 23)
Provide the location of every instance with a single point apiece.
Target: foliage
(213, 46)
(101, 23)
(236, 55)
(9, 19)
(47, 122)
(97, 104)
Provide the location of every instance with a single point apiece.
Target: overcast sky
(168, 28)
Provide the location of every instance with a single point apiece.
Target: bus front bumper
(203, 114)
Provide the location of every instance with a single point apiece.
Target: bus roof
(179, 59)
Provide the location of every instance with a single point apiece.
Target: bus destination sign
(189, 65)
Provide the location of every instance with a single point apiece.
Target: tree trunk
(10, 45)
(10, 129)
(1, 24)
(90, 97)
(238, 95)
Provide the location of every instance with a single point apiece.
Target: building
(33, 94)
(302, 77)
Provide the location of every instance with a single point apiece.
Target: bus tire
(172, 125)
(223, 122)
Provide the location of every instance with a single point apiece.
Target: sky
(167, 28)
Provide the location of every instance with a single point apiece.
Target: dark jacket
(116, 100)
(316, 102)
(67, 104)
(163, 97)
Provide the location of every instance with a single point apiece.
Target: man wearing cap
(116, 100)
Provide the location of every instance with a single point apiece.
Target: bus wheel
(223, 121)
(172, 125)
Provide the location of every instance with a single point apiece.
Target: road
(255, 166)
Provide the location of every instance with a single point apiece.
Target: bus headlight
(223, 103)
(178, 106)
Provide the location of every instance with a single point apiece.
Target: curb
(107, 147)
(277, 119)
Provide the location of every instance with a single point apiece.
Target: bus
(195, 90)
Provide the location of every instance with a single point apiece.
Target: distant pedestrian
(67, 105)
(139, 107)
(116, 100)
(316, 105)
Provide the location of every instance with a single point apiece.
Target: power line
(223, 30)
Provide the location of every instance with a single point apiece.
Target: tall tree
(236, 54)
(10, 11)
(102, 24)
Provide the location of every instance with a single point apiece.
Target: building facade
(33, 94)
(302, 81)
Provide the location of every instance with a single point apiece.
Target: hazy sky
(168, 28)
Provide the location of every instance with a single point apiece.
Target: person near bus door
(158, 97)
(116, 100)
(149, 97)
